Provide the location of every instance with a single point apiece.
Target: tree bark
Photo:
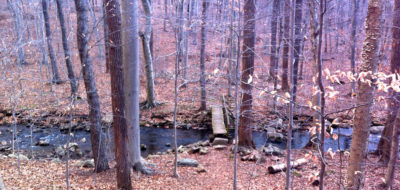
(285, 57)
(131, 62)
(18, 24)
(56, 77)
(365, 95)
(106, 40)
(297, 44)
(96, 134)
(273, 70)
(146, 37)
(249, 36)
(113, 20)
(202, 55)
(384, 146)
(67, 57)
(354, 20)
(393, 154)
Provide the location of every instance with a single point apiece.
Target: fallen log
(2, 187)
(282, 167)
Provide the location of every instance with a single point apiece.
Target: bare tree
(285, 56)
(365, 95)
(393, 152)
(18, 24)
(96, 134)
(297, 44)
(249, 36)
(354, 20)
(273, 70)
(146, 37)
(113, 21)
(131, 62)
(384, 146)
(67, 55)
(202, 55)
(45, 8)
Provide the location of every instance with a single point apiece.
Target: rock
(194, 149)
(270, 130)
(4, 143)
(168, 144)
(205, 143)
(201, 169)
(60, 151)
(376, 129)
(143, 147)
(2, 157)
(169, 151)
(275, 158)
(43, 142)
(182, 149)
(152, 156)
(203, 151)
(277, 124)
(83, 140)
(337, 122)
(271, 150)
(88, 163)
(219, 147)
(275, 137)
(21, 157)
(250, 157)
(188, 162)
(37, 130)
(220, 141)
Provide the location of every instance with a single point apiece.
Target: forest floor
(218, 165)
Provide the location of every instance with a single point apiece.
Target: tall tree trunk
(130, 29)
(202, 55)
(354, 20)
(231, 48)
(67, 57)
(393, 154)
(249, 36)
(113, 20)
(285, 56)
(106, 40)
(165, 15)
(394, 101)
(273, 69)
(181, 23)
(297, 44)
(96, 134)
(56, 77)
(146, 37)
(18, 25)
(365, 95)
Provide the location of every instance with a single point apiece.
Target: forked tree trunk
(130, 29)
(202, 55)
(249, 36)
(45, 8)
(67, 57)
(146, 36)
(394, 102)
(365, 95)
(113, 20)
(18, 25)
(285, 56)
(96, 134)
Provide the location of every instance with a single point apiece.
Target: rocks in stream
(376, 129)
(188, 162)
(271, 150)
(220, 141)
(276, 137)
(43, 142)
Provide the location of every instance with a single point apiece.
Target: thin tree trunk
(285, 57)
(249, 36)
(106, 40)
(165, 15)
(393, 154)
(181, 23)
(273, 70)
(297, 44)
(146, 36)
(365, 95)
(130, 29)
(202, 55)
(67, 57)
(96, 134)
(113, 20)
(231, 48)
(56, 77)
(18, 24)
(354, 43)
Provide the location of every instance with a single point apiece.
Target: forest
(199, 94)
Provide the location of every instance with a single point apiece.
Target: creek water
(160, 139)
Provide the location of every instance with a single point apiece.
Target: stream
(157, 140)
